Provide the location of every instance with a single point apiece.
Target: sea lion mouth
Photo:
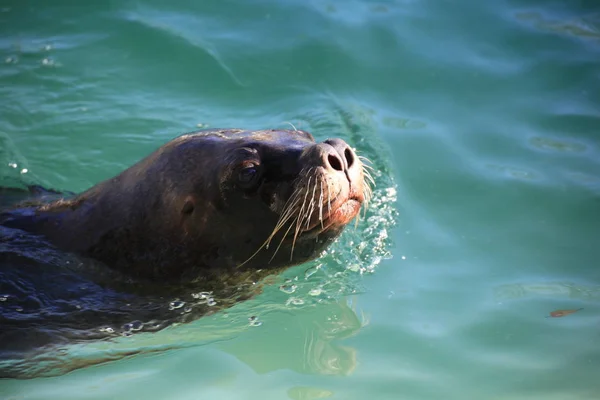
(340, 215)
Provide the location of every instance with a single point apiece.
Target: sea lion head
(274, 198)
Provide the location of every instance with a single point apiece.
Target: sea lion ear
(188, 206)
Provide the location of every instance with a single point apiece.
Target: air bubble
(211, 302)
(176, 304)
(289, 289)
(353, 267)
(12, 165)
(315, 292)
(24, 170)
(201, 295)
(4, 297)
(187, 309)
(295, 301)
(107, 329)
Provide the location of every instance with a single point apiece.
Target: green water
(483, 118)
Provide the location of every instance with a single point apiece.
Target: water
(482, 116)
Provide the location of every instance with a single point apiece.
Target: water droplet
(289, 289)
(311, 271)
(201, 295)
(107, 329)
(176, 304)
(13, 165)
(211, 302)
(24, 170)
(48, 47)
(404, 257)
(254, 321)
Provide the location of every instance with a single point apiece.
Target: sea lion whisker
(292, 125)
(285, 217)
(281, 242)
(312, 204)
(368, 167)
(328, 199)
(278, 227)
(369, 177)
(363, 158)
(288, 212)
(300, 218)
(255, 253)
(267, 242)
(289, 207)
(321, 204)
(294, 198)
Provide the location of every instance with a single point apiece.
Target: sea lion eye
(248, 174)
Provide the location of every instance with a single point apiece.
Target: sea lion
(210, 204)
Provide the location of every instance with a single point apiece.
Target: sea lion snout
(336, 158)
(342, 158)
(336, 155)
(332, 186)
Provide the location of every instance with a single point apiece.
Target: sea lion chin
(210, 203)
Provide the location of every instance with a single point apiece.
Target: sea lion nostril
(349, 157)
(335, 162)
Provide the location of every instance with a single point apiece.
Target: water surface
(482, 118)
